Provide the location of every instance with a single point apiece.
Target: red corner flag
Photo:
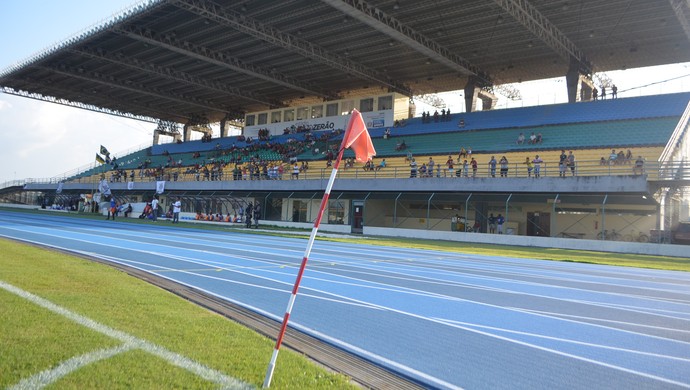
(357, 137)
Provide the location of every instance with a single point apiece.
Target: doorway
(539, 224)
(357, 216)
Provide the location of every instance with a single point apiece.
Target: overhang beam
(175, 75)
(388, 25)
(205, 54)
(542, 28)
(679, 8)
(110, 81)
(256, 29)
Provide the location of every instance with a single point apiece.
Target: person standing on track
(500, 220)
(177, 206)
(257, 215)
(154, 208)
(112, 209)
(248, 213)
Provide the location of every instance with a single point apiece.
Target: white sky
(43, 140)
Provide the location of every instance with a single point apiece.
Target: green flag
(104, 151)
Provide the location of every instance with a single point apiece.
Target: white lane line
(171, 357)
(564, 340)
(47, 377)
(585, 318)
(382, 307)
(345, 299)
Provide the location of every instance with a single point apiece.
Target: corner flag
(357, 137)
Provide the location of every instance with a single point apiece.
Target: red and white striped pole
(305, 258)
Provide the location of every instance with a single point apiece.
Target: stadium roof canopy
(191, 60)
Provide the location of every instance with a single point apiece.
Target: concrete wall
(540, 242)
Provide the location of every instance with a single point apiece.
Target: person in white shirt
(154, 208)
(177, 206)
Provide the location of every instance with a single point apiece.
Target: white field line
(47, 377)
(130, 341)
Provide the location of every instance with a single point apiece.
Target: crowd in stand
(436, 117)
(251, 162)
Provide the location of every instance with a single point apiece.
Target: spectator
(500, 220)
(128, 210)
(595, 93)
(449, 164)
(571, 162)
(381, 165)
(532, 139)
(430, 166)
(112, 210)
(295, 171)
(504, 166)
(177, 207)
(492, 167)
(492, 223)
(477, 226)
(520, 139)
(529, 165)
(603, 92)
(474, 167)
(602, 161)
(613, 157)
(562, 163)
(423, 170)
(257, 215)
(461, 123)
(537, 166)
(628, 157)
(539, 139)
(413, 168)
(154, 208)
(638, 168)
(614, 91)
(387, 133)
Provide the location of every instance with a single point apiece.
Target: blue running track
(447, 320)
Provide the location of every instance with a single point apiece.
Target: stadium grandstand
(285, 75)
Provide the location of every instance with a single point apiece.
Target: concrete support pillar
(156, 137)
(488, 99)
(187, 132)
(471, 93)
(572, 81)
(223, 128)
(579, 85)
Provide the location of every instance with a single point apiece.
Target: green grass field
(34, 339)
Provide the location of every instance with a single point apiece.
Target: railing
(652, 171)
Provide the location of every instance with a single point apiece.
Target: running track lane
(448, 320)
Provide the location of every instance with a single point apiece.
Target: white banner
(130, 185)
(59, 189)
(104, 188)
(160, 187)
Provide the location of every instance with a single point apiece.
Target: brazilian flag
(99, 159)
(104, 151)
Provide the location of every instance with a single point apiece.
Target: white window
(366, 105)
(346, 107)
